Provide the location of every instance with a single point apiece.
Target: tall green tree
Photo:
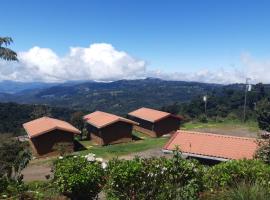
(77, 120)
(41, 111)
(5, 52)
(14, 157)
(263, 112)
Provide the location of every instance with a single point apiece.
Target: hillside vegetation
(225, 102)
(13, 115)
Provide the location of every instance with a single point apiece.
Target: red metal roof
(43, 125)
(213, 145)
(101, 119)
(149, 114)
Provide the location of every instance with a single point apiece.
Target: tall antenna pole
(205, 104)
(245, 103)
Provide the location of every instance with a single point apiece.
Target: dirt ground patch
(157, 152)
(36, 172)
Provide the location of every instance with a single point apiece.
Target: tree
(40, 111)
(173, 109)
(263, 152)
(6, 53)
(261, 90)
(14, 157)
(77, 120)
(263, 111)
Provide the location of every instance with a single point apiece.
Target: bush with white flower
(154, 178)
(79, 177)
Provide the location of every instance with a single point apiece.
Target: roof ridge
(152, 109)
(109, 118)
(217, 135)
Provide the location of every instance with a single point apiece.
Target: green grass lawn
(250, 125)
(116, 150)
(112, 151)
(226, 127)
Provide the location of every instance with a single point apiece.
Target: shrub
(263, 152)
(263, 113)
(78, 178)
(63, 148)
(13, 189)
(41, 190)
(243, 191)
(203, 119)
(219, 119)
(154, 178)
(3, 184)
(231, 173)
(232, 116)
(14, 157)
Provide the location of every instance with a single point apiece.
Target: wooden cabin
(45, 133)
(105, 128)
(154, 123)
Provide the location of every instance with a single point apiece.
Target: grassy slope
(227, 127)
(250, 125)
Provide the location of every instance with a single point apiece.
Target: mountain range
(117, 97)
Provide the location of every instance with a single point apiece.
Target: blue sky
(171, 36)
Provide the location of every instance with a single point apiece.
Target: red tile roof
(43, 125)
(149, 114)
(213, 145)
(101, 119)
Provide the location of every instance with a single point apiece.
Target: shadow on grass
(136, 137)
(78, 146)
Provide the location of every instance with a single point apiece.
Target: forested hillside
(118, 97)
(13, 115)
(225, 102)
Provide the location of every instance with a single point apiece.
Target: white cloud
(220, 76)
(102, 62)
(97, 62)
(257, 70)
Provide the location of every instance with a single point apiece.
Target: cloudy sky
(211, 41)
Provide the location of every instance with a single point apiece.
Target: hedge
(153, 178)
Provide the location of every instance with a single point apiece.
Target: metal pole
(205, 103)
(245, 103)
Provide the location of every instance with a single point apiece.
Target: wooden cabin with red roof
(154, 123)
(211, 148)
(105, 128)
(45, 133)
